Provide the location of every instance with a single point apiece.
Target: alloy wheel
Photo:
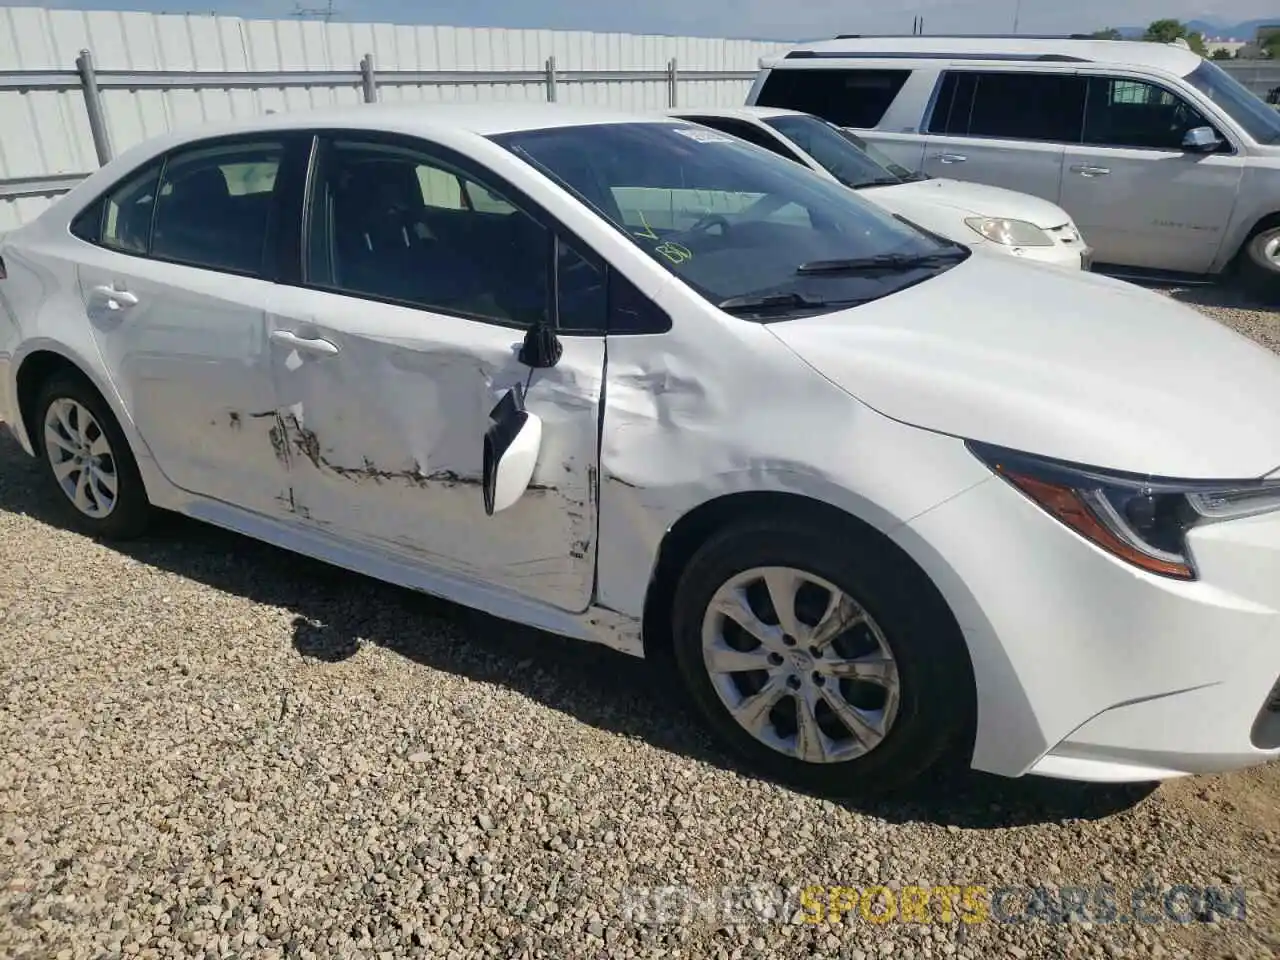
(81, 458)
(800, 665)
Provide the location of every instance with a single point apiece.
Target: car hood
(969, 200)
(1074, 366)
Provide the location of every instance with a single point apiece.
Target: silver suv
(1167, 163)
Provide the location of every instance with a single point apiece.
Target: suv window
(1132, 113)
(214, 206)
(1012, 106)
(848, 98)
(391, 223)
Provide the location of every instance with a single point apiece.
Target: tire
(1260, 265)
(60, 407)
(905, 619)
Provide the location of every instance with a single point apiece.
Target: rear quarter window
(848, 97)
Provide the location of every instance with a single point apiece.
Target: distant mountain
(1210, 28)
(1241, 31)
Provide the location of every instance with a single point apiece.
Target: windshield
(734, 222)
(1260, 122)
(880, 157)
(836, 153)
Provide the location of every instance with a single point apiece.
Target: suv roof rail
(966, 36)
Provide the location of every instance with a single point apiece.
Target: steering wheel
(706, 222)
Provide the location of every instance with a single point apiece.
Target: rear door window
(848, 98)
(215, 204)
(1022, 105)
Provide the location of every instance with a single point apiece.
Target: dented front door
(383, 411)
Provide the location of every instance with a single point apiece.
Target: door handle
(115, 299)
(1088, 170)
(310, 344)
(951, 157)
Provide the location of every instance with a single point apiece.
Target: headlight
(1142, 520)
(1011, 233)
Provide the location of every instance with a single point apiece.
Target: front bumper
(1089, 669)
(1063, 256)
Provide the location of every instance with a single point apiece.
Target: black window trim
(267, 270)
(928, 130)
(1110, 74)
(451, 160)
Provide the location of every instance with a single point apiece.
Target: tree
(1222, 53)
(1169, 30)
(1165, 31)
(1271, 45)
(1111, 33)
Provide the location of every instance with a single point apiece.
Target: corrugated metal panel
(46, 132)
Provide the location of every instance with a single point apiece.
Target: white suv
(1165, 162)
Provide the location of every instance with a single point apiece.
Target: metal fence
(91, 82)
(63, 111)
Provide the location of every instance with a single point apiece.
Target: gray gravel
(210, 748)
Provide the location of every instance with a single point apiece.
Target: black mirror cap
(541, 347)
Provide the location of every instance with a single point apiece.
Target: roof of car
(1137, 53)
(742, 113)
(482, 119)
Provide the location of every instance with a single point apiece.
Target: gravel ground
(211, 748)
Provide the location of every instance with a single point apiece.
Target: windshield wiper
(891, 262)
(770, 301)
(878, 182)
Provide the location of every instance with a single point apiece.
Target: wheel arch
(699, 524)
(683, 539)
(32, 372)
(1265, 222)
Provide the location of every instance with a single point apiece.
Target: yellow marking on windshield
(648, 230)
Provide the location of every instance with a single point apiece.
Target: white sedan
(878, 500)
(989, 218)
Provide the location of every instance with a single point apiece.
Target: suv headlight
(1010, 233)
(1142, 520)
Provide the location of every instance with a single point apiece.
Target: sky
(763, 19)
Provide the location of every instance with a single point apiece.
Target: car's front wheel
(88, 459)
(826, 661)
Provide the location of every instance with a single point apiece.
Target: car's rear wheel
(826, 662)
(89, 461)
(1260, 265)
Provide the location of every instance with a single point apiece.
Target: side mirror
(511, 446)
(541, 347)
(1201, 140)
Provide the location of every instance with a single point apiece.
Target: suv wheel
(1260, 265)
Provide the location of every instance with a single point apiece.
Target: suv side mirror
(1201, 140)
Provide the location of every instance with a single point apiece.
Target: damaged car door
(421, 281)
